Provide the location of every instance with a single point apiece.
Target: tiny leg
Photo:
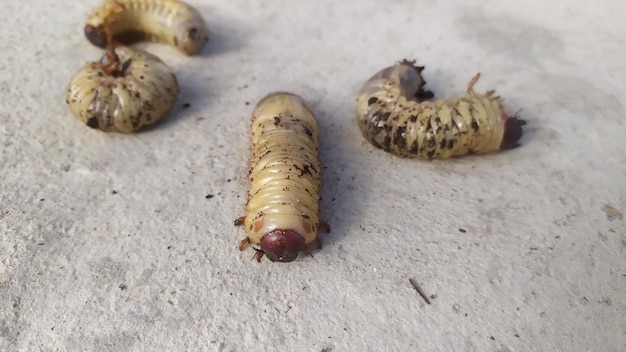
(240, 220)
(258, 254)
(244, 243)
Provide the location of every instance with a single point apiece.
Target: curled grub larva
(393, 117)
(123, 92)
(282, 213)
(167, 21)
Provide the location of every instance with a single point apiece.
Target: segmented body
(392, 117)
(127, 90)
(167, 21)
(282, 213)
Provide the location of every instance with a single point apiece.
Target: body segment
(282, 212)
(393, 117)
(167, 21)
(123, 92)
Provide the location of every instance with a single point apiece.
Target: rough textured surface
(114, 242)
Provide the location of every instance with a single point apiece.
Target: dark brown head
(96, 36)
(512, 132)
(282, 245)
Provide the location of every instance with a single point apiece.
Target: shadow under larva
(125, 91)
(168, 21)
(393, 115)
(282, 212)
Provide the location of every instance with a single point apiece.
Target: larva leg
(167, 21)
(393, 116)
(470, 87)
(123, 92)
(258, 255)
(282, 213)
(239, 221)
(244, 243)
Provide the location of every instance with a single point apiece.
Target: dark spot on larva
(125, 67)
(308, 131)
(303, 170)
(451, 144)
(386, 142)
(175, 41)
(430, 141)
(276, 120)
(413, 149)
(193, 32)
(430, 154)
(147, 105)
(399, 139)
(148, 117)
(474, 125)
(92, 122)
(413, 118)
(429, 127)
(442, 144)
(306, 216)
(141, 77)
(372, 100)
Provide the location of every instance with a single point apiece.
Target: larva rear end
(282, 213)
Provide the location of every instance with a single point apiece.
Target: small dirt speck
(612, 213)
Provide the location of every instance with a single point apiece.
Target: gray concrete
(109, 243)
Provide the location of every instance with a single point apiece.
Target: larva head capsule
(512, 132)
(282, 245)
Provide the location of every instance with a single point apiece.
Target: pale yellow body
(284, 169)
(138, 94)
(393, 120)
(167, 21)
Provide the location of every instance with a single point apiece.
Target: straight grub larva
(393, 117)
(167, 21)
(282, 213)
(123, 92)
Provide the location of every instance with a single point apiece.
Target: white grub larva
(393, 117)
(282, 213)
(123, 92)
(167, 21)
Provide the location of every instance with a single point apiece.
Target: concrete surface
(113, 242)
